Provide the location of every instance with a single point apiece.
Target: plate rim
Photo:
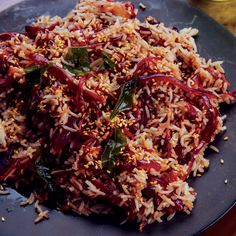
(225, 31)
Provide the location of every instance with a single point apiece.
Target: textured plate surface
(214, 197)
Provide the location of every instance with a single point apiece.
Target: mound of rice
(100, 112)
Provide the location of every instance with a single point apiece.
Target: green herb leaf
(125, 100)
(34, 74)
(107, 64)
(75, 71)
(43, 173)
(79, 57)
(32, 69)
(112, 150)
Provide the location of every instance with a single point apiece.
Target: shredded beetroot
(5, 82)
(212, 113)
(15, 166)
(59, 140)
(93, 97)
(162, 181)
(158, 78)
(65, 77)
(198, 81)
(145, 65)
(168, 143)
(194, 154)
(192, 113)
(216, 75)
(130, 7)
(6, 75)
(232, 94)
(147, 165)
(62, 75)
(7, 36)
(39, 60)
(32, 30)
(145, 32)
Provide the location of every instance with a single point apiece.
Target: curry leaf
(125, 100)
(32, 69)
(78, 56)
(34, 74)
(43, 173)
(75, 71)
(107, 62)
(112, 149)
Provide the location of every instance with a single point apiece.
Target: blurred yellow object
(218, 0)
(223, 11)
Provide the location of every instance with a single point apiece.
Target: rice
(4, 192)
(41, 213)
(29, 201)
(214, 148)
(122, 126)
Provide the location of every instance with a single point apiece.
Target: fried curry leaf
(43, 173)
(76, 71)
(125, 99)
(34, 74)
(78, 56)
(112, 150)
(107, 64)
(78, 61)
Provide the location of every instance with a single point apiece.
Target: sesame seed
(226, 138)
(222, 161)
(142, 6)
(3, 219)
(226, 181)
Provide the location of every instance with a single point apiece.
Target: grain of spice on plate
(3, 191)
(142, 6)
(226, 138)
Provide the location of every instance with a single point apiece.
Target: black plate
(214, 197)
